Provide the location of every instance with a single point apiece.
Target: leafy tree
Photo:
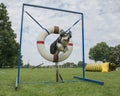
(100, 52)
(115, 55)
(8, 45)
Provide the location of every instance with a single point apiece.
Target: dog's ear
(61, 31)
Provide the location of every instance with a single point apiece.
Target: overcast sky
(101, 23)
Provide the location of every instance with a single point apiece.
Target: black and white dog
(60, 44)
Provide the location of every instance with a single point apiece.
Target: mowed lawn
(41, 82)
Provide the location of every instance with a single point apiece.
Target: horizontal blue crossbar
(57, 9)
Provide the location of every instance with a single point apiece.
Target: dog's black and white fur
(60, 44)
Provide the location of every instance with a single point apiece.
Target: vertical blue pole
(83, 53)
(19, 54)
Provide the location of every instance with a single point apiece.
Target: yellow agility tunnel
(104, 67)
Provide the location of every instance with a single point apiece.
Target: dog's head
(65, 37)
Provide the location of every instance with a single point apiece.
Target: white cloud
(101, 23)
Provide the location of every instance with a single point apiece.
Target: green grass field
(31, 83)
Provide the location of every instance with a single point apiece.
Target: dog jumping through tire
(60, 44)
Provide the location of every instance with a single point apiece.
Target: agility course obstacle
(103, 67)
(93, 67)
(82, 39)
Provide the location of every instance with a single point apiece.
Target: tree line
(64, 65)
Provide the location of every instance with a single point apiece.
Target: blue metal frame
(19, 51)
(83, 54)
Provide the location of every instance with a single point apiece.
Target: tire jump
(45, 54)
